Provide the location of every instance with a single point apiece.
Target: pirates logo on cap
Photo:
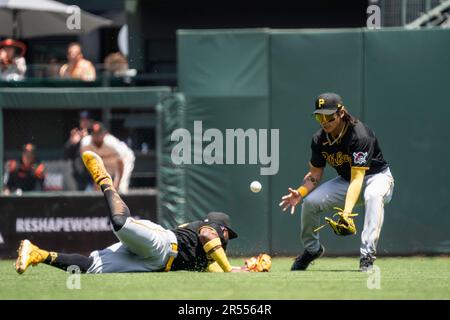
(320, 103)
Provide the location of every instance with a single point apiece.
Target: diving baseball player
(144, 246)
(352, 149)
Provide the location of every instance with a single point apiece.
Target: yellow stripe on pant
(171, 258)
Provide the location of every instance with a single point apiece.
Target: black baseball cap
(222, 219)
(328, 103)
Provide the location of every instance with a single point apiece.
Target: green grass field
(328, 278)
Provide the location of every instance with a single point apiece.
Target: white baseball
(255, 186)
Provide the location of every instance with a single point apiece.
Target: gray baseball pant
(144, 247)
(377, 191)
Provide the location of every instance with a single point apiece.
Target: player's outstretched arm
(214, 267)
(295, 196)
(213, 248)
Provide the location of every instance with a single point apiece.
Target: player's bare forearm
(312, 178)
(310, 181)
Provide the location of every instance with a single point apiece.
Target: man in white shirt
(116, 155)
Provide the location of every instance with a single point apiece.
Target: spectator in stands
(116, 64)
(12, 61)
(77, 67)
(117, 156)
(26, 175)
(52, 68)
(72, 150)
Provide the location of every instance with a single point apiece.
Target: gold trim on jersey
(338, 139)
(336, 159)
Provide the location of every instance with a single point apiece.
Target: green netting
(171, 178)
(75, 98)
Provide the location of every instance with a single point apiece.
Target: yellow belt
(171, 258)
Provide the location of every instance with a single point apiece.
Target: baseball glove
(344, 225)
(261, 263)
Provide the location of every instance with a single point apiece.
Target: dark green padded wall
(225, 78)
(394, 80)
(303, 65)
(408, 105)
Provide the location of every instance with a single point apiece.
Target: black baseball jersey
(191, 255)
(358, 147)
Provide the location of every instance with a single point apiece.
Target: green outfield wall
(225, 78)
(262, 80)
(392, 79)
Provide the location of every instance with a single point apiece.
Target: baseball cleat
(302, 261)
(366, 264)
(94, 164)
(28, 254)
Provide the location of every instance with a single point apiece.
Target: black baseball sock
(118, 210)
(65, 260)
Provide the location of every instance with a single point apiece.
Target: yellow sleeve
(214, 249)
(214, 267)
(354, 189)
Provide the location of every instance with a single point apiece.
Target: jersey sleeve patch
(360, 158)
(362, 147)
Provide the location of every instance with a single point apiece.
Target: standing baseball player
(144, 246)
(352, 149)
